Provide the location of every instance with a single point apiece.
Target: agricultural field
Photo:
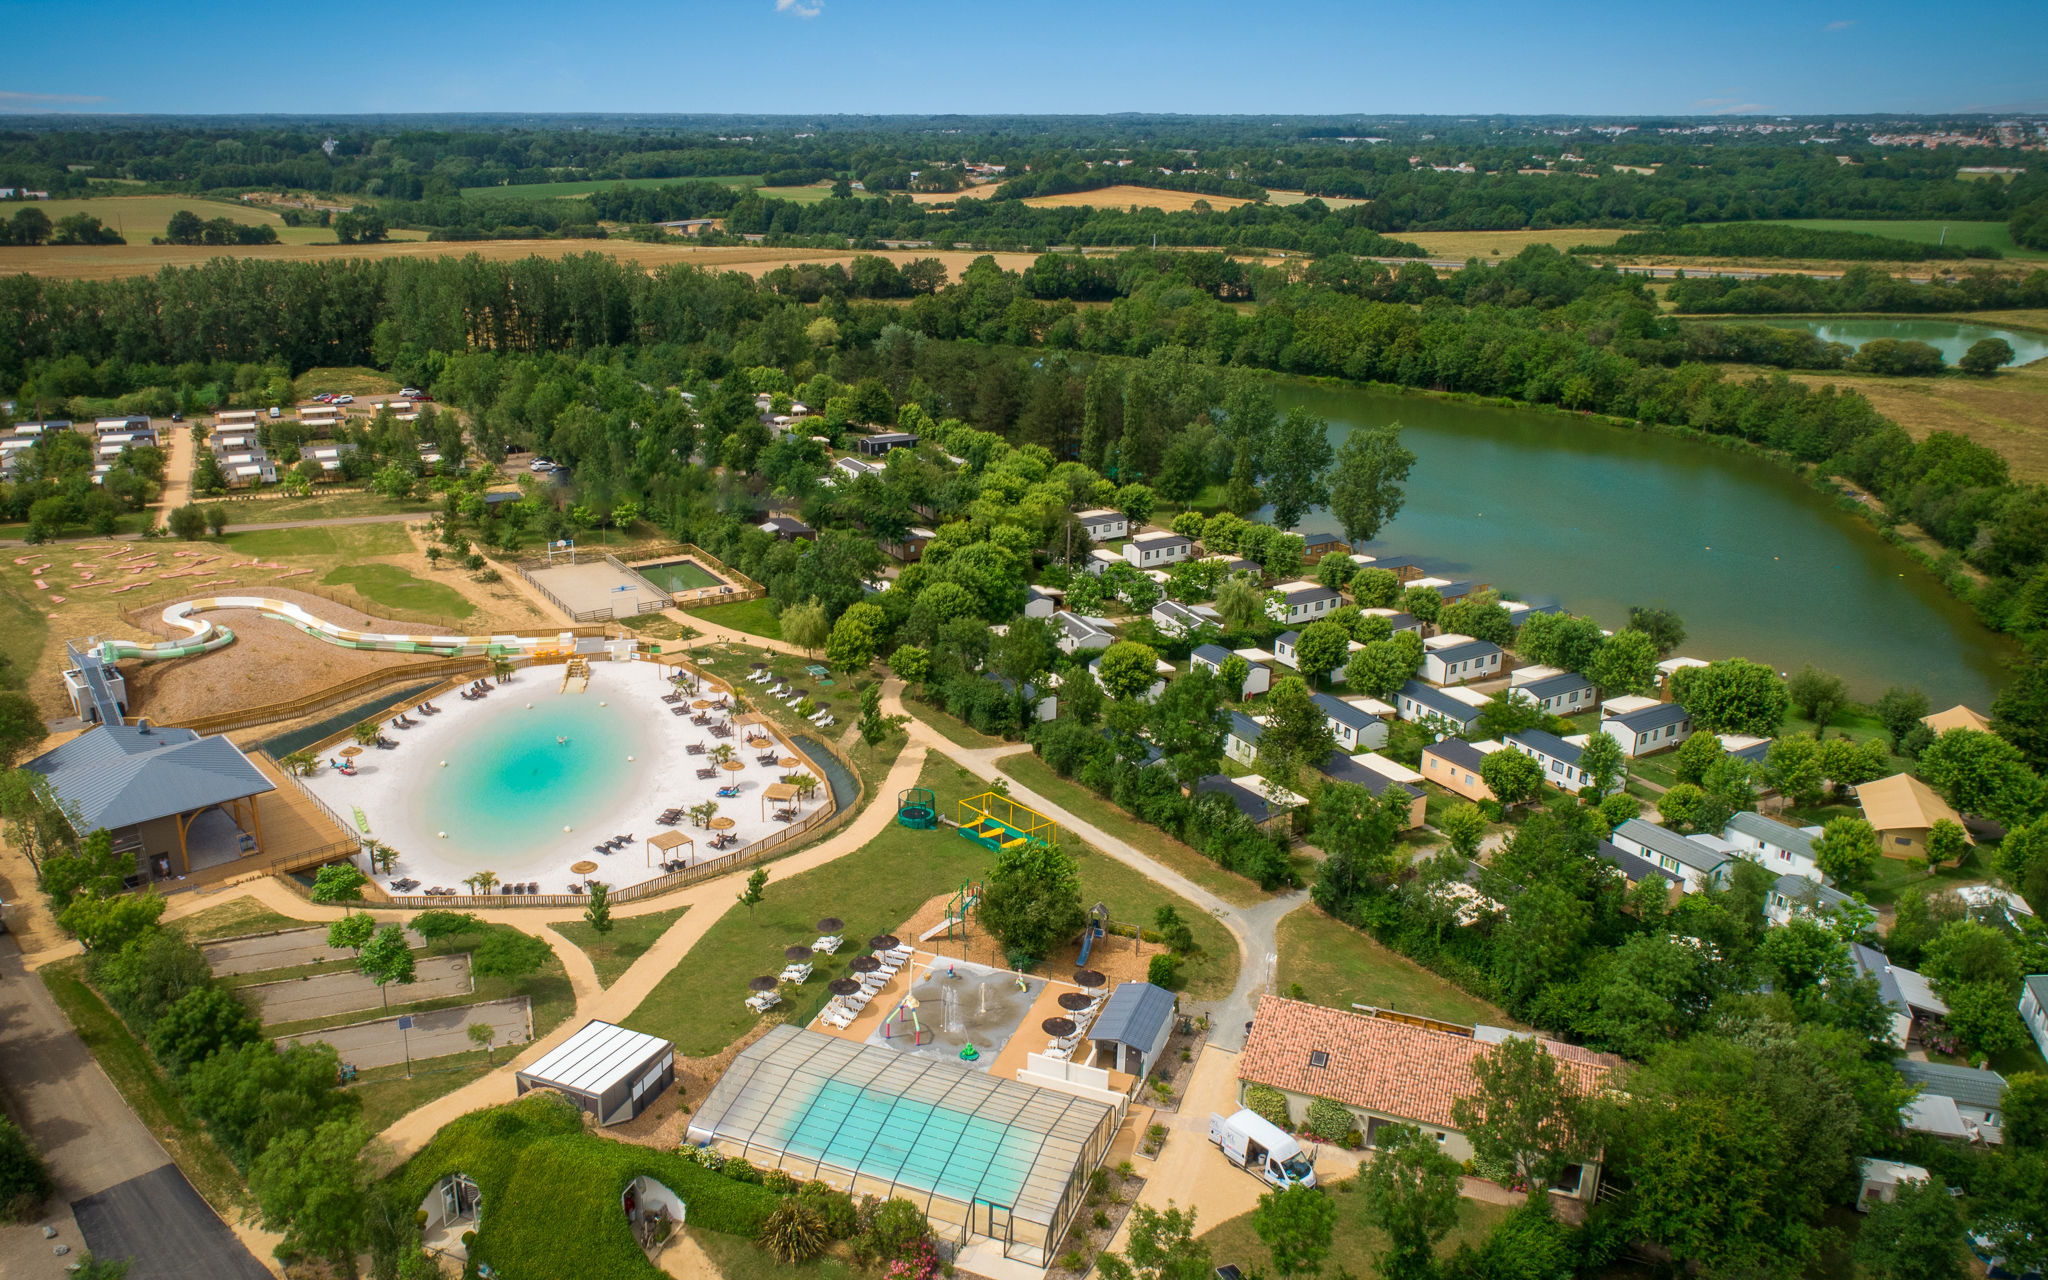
(1969, 235)
(1284, 198)
(1460, 245)
(140, 217)
(1126, 195)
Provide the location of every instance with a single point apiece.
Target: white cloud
(1840, 25)
(801, 8)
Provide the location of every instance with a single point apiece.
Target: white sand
(662, 775)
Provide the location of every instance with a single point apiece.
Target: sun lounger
(827, 944)
(707, 773)
(670, 817)
(796, 973)
(679, 711)
(695, 749)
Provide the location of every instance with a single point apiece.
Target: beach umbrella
(763, 983)
(735, 765)
(1058, 1026)
(700, 704)
(351, 751)
(831, 924)
(721, 824)
(788, 762)
(883, 942)
(583, 868)
(1090, 978)
(797, 953)
(1075, 1000)
(842, 986)
(864, 964)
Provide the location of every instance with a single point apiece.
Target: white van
(1260, 1148)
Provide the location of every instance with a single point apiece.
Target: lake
(1951, 337)
(1556, 509)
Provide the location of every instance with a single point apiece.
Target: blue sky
(1054, 56)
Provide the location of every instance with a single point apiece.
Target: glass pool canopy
(992, 1157)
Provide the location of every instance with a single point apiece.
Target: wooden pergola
(776, 792)
(666, 842)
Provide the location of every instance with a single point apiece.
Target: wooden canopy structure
(777, 793)
(665, 843)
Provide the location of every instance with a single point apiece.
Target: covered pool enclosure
(984, 1156)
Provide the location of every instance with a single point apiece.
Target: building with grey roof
(1132, 1029)
(1978, 1092)
(159, 792)
(1652, 728)
(607, 1070)
(1419, 704)
(1795, 895)
(1458, 663)
(1693, 863)
(1564, 694)
(1777, 846)
(1356, 729)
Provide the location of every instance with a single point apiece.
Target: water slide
(204, 636)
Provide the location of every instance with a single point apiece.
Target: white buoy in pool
(440, 835)
(629, 759)
(444, 764)
(565, 828)
(604, 704)
(529, 706)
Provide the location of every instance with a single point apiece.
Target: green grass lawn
(1338, 966)
(386, 1093)
(397, 590)
(749, 616)
(1968, 235)
(233, 919)
(1353, 1242)
(319, 506)
(350, 541)
(741, 1259)
(1132, 897)
(145, 1087)
(1079, 800)
(611, 954)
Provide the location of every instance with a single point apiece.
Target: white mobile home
(1157, 550)
(1654, 728)
(1455, 659)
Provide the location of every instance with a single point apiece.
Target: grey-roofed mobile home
(1649, 729)
(1692, 863)
(607, 1070)
(1355, 729)
(1420, 704)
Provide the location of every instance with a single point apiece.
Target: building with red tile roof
(1392, 1069)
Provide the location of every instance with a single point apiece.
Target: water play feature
(953, 1005)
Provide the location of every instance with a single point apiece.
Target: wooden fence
(738, 586)
(306, 793)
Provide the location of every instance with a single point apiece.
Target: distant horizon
(19, 118)
(1577, 58)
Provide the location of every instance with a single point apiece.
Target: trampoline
(917, 808)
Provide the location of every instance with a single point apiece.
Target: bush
(1330, 1120)
(794, 1232)
(898, 1228)
(24, 1179)
(1269, 1104)
(508, 953)
(835, 1207)
(1164, 971)
(435, 925)
(740, 1169)
(778, 1181)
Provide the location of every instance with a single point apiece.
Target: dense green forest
(1771, 240)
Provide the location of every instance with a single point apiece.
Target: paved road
(96, 1147)
(324, 994)
(433, 1035)
(284, 950)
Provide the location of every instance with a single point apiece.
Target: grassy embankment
(612, 953)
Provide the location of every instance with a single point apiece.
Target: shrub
(24, 1179)
(1330, 1120)
(835, 1207)
(742, 1170)
(794, 1232)
(1268, 1103)
(1073, 1260)
(778, 1181)
(898, 1228)
(435, 925)
(1164, 971)
(507, 953)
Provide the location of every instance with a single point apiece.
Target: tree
(1240, 601)
(250, 1094)
(1422, 603)
(1297, 733)
(1847, 850)
(1626, 663)
(108, 924)
(1695, 756)
(1986, 356)
(1918, 1235)
(1899, 710)
(1664, 627)
(386, 958)
(1296, 1223)
(912, 665)
(199, 1024)
(1685, 807)
(805, 625)
(856, 637)
(1321, 648)
(188, 522)
(483, 1035)
(2026, 1110)
(1232, 674)
(1379, 669)
(757, 888)
(1511, 776)
(482, 882)
(1031, 900)
(1602, 760)
(21, 727)
(1732, 696)
(25, 1181)
(1187, 724)
(1526, 1114)
(874, 726)
(351, 931)
(1161, 1246)
(1981, 773)
(1819, 695)
(598, 914)
(1947, 842)
(1173, 930)
(314, 1187)
(1137, 502)
(1297, 466)
(1410, 1192)
(2019, 714)
(1366, 487)
(1127, 669)
(1464, 825)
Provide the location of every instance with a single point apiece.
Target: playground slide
(205, 637)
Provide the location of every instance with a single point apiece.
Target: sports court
(593, 589)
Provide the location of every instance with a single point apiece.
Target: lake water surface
(1951, 337)
(1555, 509)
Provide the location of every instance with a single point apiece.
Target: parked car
(420, 397)
(325, 397)
(542, 465)
(409, 391)
(276, 412)
(344, 399)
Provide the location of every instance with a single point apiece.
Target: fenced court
(595, 588)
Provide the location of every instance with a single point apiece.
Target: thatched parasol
(721, 824)
(883, 942)
(583, 868)
(864, 964)
(797, 953)
(350, 752)
(843, 986)
(831, 925)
